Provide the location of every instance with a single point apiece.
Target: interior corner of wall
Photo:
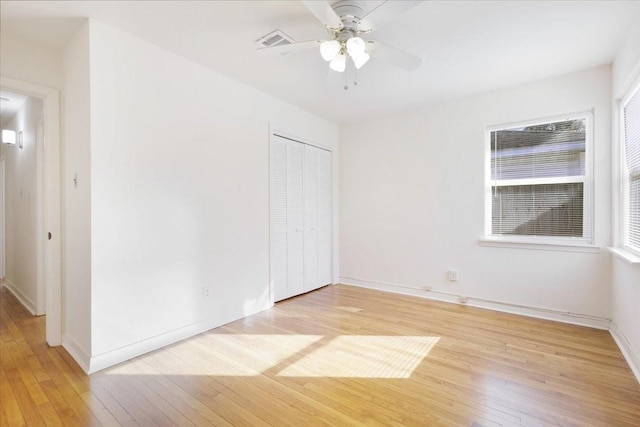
(632, 357)
(82, 358)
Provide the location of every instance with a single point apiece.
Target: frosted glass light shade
(360, 60)
(329, 49)
(8, 136)
(356, 46)
(339, 63)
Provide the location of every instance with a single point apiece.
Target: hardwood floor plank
(337, 356)
(162, 405)
(207, 389)
(180, 387)
(170, 392)
(11, 414)
(32, 385)
(141, 410)
(63, 409)
(63, 391)
(49, 415)
(116, 410)
(102, 414)
(28, 408)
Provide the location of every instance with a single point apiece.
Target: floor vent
(274, 38)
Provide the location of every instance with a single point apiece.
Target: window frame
(545, 242)
(623, 181)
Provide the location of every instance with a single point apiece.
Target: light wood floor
(338, 356)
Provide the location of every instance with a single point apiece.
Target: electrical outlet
(206, 292)
(452, 275)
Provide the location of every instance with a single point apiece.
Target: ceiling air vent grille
(273, 39)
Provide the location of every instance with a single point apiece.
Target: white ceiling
(467, 47)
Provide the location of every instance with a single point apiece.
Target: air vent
(275, 38)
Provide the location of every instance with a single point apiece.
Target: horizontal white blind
(632, 161)
(539, 210)
(538, 174)
(552, 150)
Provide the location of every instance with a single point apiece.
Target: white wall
(625, 276)
(21, 205)
(26, 61)
(412, 204)
(77, 201)
(626, 66)
(179, 194)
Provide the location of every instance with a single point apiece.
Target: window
(631, 169)
(538, 181)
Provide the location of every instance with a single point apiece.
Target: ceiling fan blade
(288, 49)
(394, 56)
(322, 10)
(385, 13)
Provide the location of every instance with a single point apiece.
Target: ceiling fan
(347, 21)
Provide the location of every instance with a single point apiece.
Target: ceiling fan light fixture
(339, 63)
(360, 60)
(329, 49)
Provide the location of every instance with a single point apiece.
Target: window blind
(539, 210)
(538, 178)
(631, 117)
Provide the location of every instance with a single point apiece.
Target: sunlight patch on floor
(362, 356)
(244, 355)
(222, 355)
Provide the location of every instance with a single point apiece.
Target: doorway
(48, 296)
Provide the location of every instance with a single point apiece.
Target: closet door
(278, 193)
(300, 204)
(324, 217)
(295, 218)
(311, 217)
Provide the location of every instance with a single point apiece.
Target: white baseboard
(540, 313)
(27, 302)
(111, 358)
(76, 351)
(632, 358)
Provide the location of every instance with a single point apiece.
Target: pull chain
(346, 85)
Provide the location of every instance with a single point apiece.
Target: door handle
(49, 235)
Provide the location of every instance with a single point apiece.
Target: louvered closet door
(324, 217)
(311, 217)
(300, 186)
(278, 194)
(295, 218)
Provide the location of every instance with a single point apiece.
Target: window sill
(540, 246)
(625, 255)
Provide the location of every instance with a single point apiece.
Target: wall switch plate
(206, 292)
(452, 275)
